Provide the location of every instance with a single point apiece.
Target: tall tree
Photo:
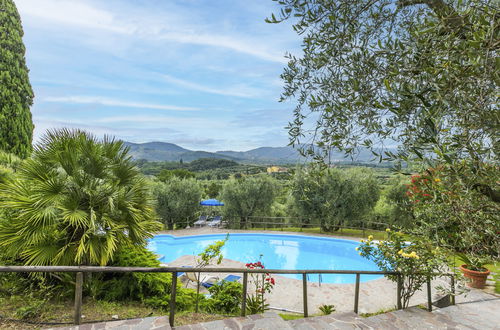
(75, 201)
(333, 197)
(246, 197)
(177, 201)
(16, 95)
(424, 73)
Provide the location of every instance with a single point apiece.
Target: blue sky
(203, 74)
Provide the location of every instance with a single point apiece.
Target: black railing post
(304, 293)
(173, 293)
(452, 298)
(356, 293)
(429, 294)
(399, 289)
(244, 296)
(78, 298)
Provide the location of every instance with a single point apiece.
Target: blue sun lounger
(201, 221)
(215, 222)
(228, 278)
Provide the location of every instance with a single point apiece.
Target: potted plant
(474, 270)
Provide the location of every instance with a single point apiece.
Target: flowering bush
(456, 206)
(415, 261)
(263, 283)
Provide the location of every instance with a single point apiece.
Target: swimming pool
(278, 252)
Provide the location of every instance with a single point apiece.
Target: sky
(203, 74)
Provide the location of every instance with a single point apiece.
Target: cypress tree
(16, 95)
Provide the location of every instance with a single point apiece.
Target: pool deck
(375, 295)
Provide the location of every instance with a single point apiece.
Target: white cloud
(178, 122)
(239, 90)
(233, 43)
(75, 13)
(79, 13)
(117, 103)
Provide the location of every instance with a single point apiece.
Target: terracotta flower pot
(477, 278)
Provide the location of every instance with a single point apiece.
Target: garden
(418, 75)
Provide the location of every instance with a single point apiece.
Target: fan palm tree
(8, 164)
(74, 202)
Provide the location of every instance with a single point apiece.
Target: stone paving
(479, 311)
(133, 324)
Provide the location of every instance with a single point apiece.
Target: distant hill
(163, 151)
(278, 155)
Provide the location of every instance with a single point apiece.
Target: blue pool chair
(228, 278)
(216, 221)
(201, 221)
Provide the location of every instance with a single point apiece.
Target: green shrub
(153, 289)
(256, 304)
(32, 310)
(133, 286)
(225, 298)
(327, 309)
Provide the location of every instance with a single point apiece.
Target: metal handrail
(79, 270)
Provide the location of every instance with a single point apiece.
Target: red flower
(272, 281)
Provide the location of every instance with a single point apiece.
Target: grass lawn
(23, 312)
(379, 235)
(495, 271)
(288, 317)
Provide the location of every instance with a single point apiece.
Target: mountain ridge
(165, 151)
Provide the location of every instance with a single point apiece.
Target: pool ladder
(320, 278)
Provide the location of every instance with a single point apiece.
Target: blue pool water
(278, 252)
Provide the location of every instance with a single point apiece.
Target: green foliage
(225, 298)
(256, 304)
(415, 261)
(9, 160)
(456, 207)
(205, 168)
(393, 206)
(212, 253)
(8, 166)
(212, 189)
(422, 73)
(327, 309)
(152, 289)
(16, 95)
(473, 262)
(203, 164)
(75, 202)
(133, 286)
(262, 283)
(32, 310)
(178, 201)
(166, 175)
(333, 197)
(249, 196)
